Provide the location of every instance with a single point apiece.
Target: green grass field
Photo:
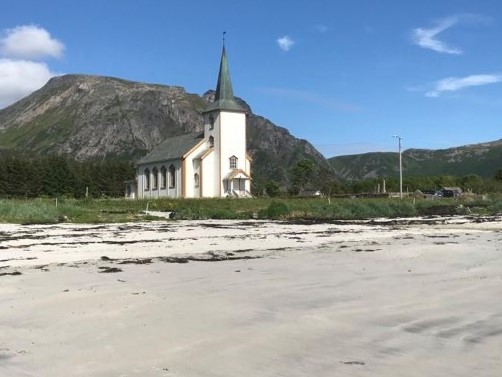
(49, 211)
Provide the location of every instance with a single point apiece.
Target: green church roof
(224, 98)
(172, 148)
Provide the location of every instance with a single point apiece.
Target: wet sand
(254, 298)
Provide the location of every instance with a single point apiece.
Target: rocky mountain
(483, 159)
(101, 117)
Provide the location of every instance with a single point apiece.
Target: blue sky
(345, 75)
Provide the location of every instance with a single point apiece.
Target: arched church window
(163, 177)
(196, 180)
(211, 122)
(211, 141)
(155, 178)
(147, 179)
(172, 176)
(233, 162)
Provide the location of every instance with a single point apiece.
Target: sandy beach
(417, 297)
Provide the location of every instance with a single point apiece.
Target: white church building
(208, 164)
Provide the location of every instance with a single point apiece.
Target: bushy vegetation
(55, 189)
(307, 175)
(275, 210)
(25, 176)
(36, 211)
(468, 183)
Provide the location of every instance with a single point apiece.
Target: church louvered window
(211, 122)
(233, 162)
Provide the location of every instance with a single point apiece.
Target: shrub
(275, 210)
(189, 210)
(496, 207)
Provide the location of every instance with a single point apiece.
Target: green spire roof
(224, 98)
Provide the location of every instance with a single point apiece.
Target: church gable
(237, 174)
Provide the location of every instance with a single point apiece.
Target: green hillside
(481, 159)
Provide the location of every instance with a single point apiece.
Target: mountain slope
(483, 159)
(90, 116)
(98, 117)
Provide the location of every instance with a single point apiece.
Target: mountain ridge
(482, 159)
(89, 116)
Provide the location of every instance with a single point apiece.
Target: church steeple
(224, 98)
(224, 87)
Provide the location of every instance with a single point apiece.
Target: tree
(272, 189)
(445, 181)
(498, 175)
(58, 179)
(326, 181)
(302, 175)
(471, 182)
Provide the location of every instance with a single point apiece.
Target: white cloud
(20, 74)
(18, 78)
(285, 43)
(427, 38)
(29, 42)
(452, 84)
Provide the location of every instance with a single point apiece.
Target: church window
(155, 178)
(172, 176)
(196, 180)
(163, 177)
(211, 141)
(211, 122)
(147, 179)
(233, 162)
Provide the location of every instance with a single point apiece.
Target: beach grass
(50, 210)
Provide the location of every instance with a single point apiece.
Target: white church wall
(232, 137)
(191, 167)
(208, 180)
(214, 190)
(196, 185)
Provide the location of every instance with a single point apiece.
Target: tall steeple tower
(224, 98)
(225, 132)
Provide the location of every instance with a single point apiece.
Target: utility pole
(400, 167)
